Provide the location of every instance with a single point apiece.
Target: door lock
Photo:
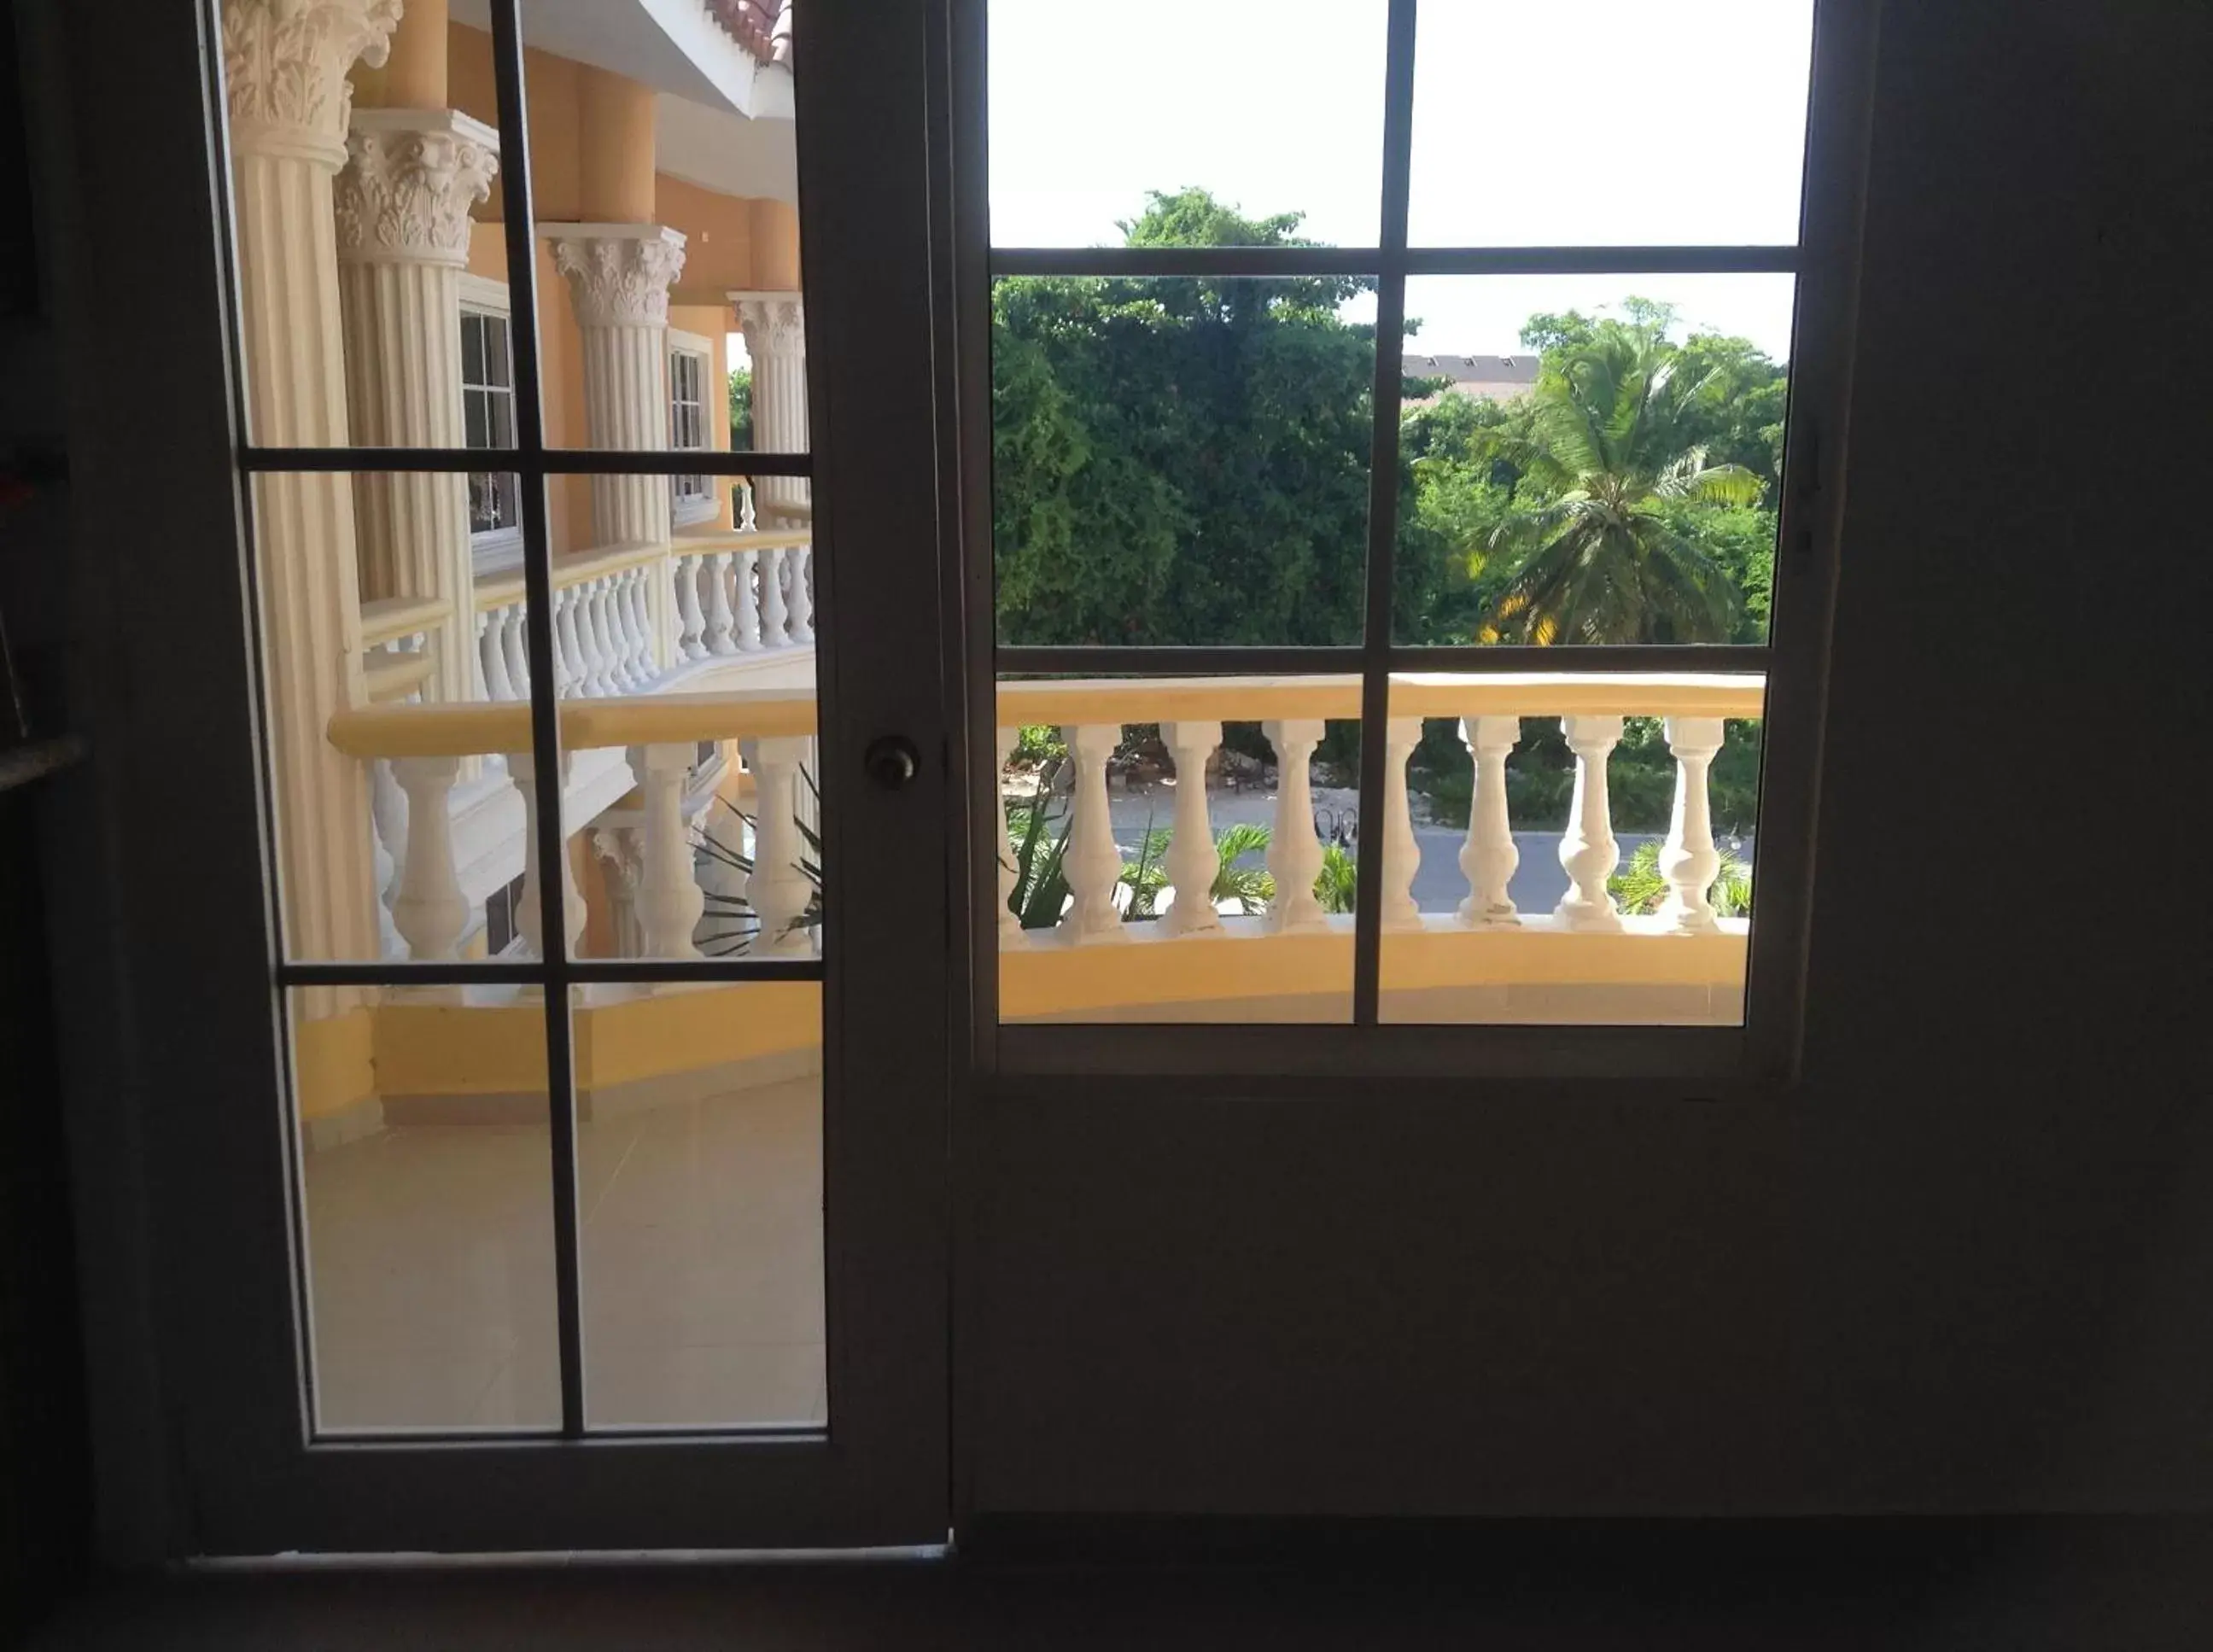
(892, 761)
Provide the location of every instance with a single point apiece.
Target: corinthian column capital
(285, 67)
(774, 323)
(619, 274)
(410, 179)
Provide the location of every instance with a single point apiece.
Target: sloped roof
(1475, 369)
(762, 26)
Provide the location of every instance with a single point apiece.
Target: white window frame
(691, 498)
(500, 549)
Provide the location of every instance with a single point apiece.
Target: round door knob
(892, 761)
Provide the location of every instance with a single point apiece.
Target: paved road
(1539, 880)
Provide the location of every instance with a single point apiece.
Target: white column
(780, 889)
(775, 327)
(1294, 851)
(284, 65)
(1488, 858)
(1689, 860)
(1402, 850)
(1587, 849)
(403, 236)
(430, 910)
(1011, 937)
(1192, 863)
(670, 901)
(522, 768)
(1092, 863)
(619, 276)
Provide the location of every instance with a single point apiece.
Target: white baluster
(521, 767)
(1092, 863)
(781, 890)
(1488, 858)
(1689, 860)
(641, 606)
(718, 603)
(568, 671)
(1587, 849)
(669, 901)
(1402, 850)
(628, 678)
(746, 521)
(430, 910)
(1011, 937)
(603, 609)
(491, 658)
(388, 814)
(1192, 863)
(1294, 851)
(748, 638)
(641, 619)
(773, 632)
(515, 643)
(801, 600)
(691, 626)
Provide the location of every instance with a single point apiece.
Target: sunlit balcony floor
(431, 1262)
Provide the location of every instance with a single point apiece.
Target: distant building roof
(1475, 369)
(762, 26)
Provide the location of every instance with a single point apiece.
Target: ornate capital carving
(619, 274)
(285, 67)
(410, 180)
(775, 324)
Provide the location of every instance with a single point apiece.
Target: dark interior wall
(1968, 1263)
(44, 1519)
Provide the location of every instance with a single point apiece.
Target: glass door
(552, 1156)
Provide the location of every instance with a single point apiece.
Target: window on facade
(1390, 603)
(691, 498)
(488, 421)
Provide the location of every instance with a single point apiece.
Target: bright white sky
(1536, 123)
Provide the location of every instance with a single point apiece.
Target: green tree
(742, 409)
(1181, 460)
(1593, 550)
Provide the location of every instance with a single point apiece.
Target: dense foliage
(1185, 460)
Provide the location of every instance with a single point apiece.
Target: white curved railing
(617, 630)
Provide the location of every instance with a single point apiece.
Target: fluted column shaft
(619, 276)
(286, 62)
(775, 327)
(403, 221)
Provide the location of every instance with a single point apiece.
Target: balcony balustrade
(653, 744)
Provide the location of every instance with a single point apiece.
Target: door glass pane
(1578, 847)
(699, 1159)
(1609, 123)
(1180, 460)
(1273, 108)
(426, 1197)
(699, 836)
(1100, 782)
(1591, 458)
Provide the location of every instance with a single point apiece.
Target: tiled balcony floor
(431, 1263)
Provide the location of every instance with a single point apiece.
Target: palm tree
(1591, 551)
